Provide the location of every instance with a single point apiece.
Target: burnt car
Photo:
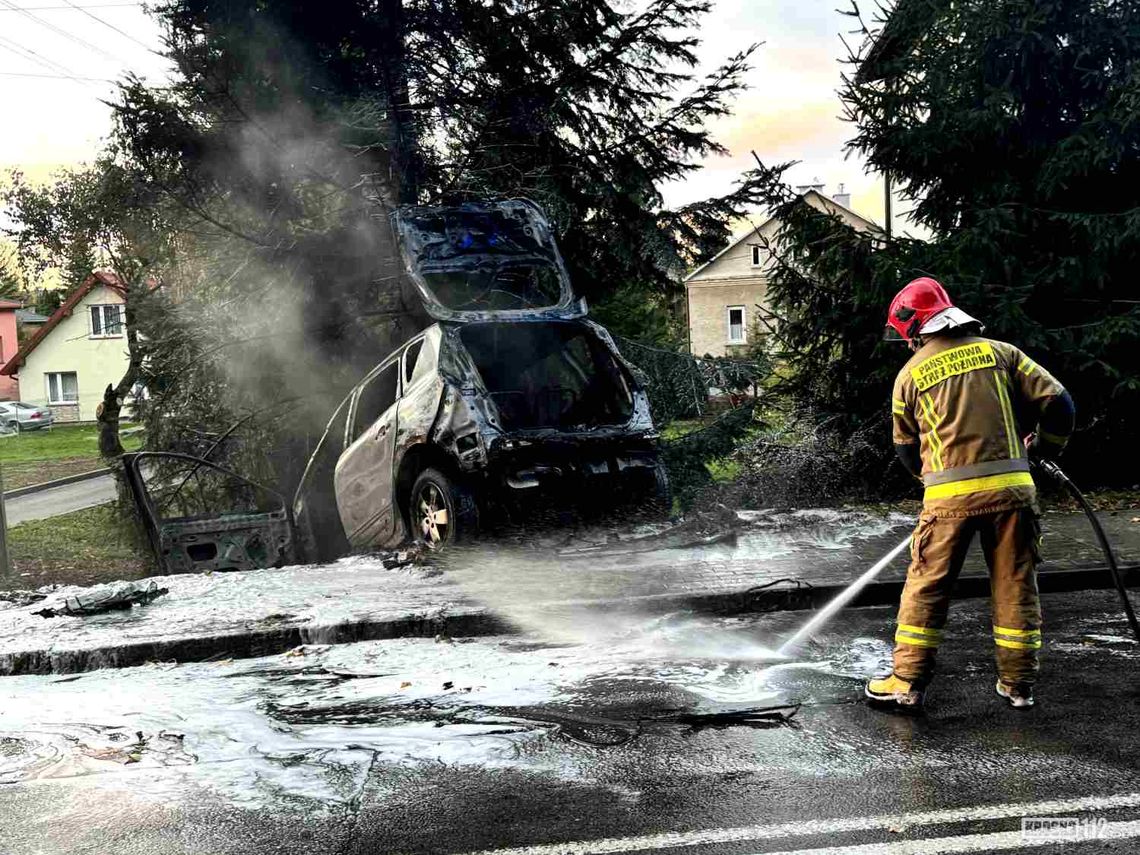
(512, 393)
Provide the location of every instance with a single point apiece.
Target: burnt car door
(177, 497)
(364, 480)
(422, 390)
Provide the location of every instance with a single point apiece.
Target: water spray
(842, 599)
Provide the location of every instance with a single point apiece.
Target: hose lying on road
(1053, 470)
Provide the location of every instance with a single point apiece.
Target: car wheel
(441, 511)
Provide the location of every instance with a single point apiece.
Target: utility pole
(5, 563)
(887, 203)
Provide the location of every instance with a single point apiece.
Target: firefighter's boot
(1018, 696)
(895, 693)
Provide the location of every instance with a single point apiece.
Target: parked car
(511, 393)
(16, 415)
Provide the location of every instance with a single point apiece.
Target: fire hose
(1055, 472)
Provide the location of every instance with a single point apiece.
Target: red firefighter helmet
(923, 306)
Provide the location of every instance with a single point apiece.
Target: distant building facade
(9, 386)
(69, 360)
(725, 296)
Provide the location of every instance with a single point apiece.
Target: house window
(756, 255)
(62, 387)
(107, 321)
(735, 324)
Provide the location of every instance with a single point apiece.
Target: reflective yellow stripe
(1007, 413)
(979, 485)
(1018, 645)
(1056, 439)
(898, 407)
(935, 441)
(922, 630)
(1017, 633)
(1027, 366)
(918, 636)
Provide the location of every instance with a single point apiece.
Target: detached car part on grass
(511, 393)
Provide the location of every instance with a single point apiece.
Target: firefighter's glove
(1039, 448)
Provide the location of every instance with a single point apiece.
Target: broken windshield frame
(486, 261)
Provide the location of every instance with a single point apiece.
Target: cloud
(781, 131)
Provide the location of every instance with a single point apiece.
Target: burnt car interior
(549, 375)
(496, 286)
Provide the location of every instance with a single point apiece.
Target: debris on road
(22, 598)
(105, 598)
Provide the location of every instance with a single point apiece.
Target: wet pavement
(248, 614)
(463, 745)
(553, 698)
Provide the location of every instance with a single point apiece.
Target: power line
(69, 6)
(12, 6)
(39, 59)
(55, 76)
(106, 24)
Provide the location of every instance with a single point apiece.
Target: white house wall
(69, 347)
(731, 279)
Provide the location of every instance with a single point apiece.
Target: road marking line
(995, 842)
(809, 828)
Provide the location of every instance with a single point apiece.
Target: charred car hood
(486, 261)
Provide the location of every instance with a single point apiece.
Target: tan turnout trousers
(968, 402)
(1010, 543)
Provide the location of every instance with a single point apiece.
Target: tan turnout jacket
(969, 401)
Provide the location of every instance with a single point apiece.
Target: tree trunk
(108, 412)
(404, 154)
(107, 417)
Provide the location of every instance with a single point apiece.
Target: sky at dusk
(57, 64)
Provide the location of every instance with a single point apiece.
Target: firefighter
(959, 409)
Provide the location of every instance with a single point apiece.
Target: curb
(58, 482)
(267, 642)
(759, 601)
(247, 645)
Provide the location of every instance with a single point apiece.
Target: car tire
(432, 492)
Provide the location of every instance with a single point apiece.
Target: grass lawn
(42, 455)
(81, 548)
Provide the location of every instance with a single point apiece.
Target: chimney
(816, 185)
(842, 197)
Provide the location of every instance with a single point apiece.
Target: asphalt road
(568, 741)
(60, 500)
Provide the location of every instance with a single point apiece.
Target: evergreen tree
(290, 131)
(1011, 125)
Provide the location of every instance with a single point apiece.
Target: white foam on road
(846, 825)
